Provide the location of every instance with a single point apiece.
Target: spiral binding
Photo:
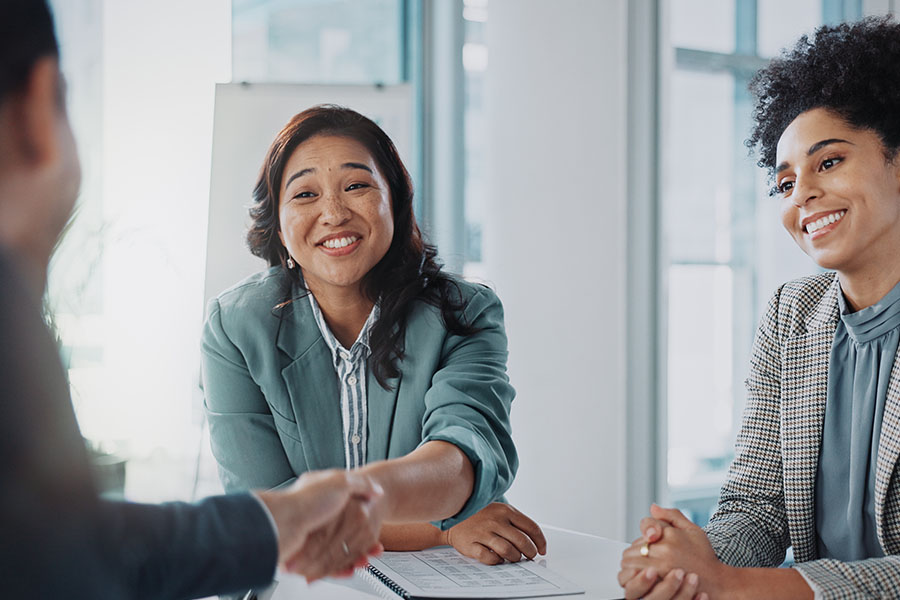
(380, 581)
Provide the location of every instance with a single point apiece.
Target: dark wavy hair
(851, 69)
(409, 271)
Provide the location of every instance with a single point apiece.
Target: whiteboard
(247, 119)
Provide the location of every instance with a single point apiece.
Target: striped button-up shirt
(350, 366)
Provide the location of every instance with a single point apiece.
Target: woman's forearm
(429, 484)
(406, 537)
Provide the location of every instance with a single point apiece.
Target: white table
(588, 560)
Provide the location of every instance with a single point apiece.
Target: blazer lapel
(312, 385)
(887, 509)
(804, 391)
(382, 405)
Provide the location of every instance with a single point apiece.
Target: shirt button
(355, 439)
(345, 355)
(352, 380)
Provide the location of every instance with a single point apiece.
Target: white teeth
(339, 242)
(832, 218)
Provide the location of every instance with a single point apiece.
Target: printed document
(444, 573)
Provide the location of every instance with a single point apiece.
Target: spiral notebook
(444, 573)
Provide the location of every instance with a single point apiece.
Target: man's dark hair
(851, 69)
(26, 35)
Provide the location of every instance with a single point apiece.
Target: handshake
(328, 522)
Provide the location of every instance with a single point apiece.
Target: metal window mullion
(839, 11)
(708, 61)
(646, 437)
(443, 122)
(413, 72)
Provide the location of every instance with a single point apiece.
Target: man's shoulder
(12, 278)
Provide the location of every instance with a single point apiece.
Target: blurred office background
(584, 157)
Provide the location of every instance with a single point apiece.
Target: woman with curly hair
(355, 350)
(816, 461)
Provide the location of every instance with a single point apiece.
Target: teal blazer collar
(312, 386)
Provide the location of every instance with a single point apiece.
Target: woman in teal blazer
(354, 349)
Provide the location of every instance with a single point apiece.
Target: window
(475, 64)
(317, 41)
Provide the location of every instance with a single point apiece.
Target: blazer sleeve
(469, 401)
(863, 579)
(749, 527)
(178, 550)
(242, 430)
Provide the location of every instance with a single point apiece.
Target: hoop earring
(290, 263)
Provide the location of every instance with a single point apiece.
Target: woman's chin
(832, 261)
(338, 282)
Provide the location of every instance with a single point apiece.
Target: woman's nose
(805, 189)
(334, 210)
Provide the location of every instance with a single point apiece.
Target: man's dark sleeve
(180, 550)
(57, 540)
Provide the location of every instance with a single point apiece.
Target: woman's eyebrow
(353, 165)
(299, 173)
(813, 149)
(819, 145)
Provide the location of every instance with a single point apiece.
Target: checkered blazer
(768, 503)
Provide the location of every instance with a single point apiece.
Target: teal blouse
(862, 355)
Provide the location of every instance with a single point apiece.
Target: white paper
(445, 573)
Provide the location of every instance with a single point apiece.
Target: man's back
(48, 506)
(58, 539)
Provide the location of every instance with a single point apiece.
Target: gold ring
(346, 549)
(645, 549)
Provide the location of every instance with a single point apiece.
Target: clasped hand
(679, 563)
(328, 522)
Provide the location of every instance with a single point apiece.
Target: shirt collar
(359, 349)
(873, 321)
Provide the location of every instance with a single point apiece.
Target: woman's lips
(824, 225)
(340, 246)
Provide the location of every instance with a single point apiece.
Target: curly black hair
(851, 69)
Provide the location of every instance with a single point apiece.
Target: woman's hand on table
(678, 562)
(496, 533)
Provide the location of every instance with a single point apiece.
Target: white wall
(555, 249)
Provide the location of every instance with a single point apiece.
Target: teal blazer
(273, 402)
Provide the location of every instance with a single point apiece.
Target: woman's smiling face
(335, 212)
(840, 194)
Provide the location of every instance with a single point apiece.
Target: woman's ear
(36, 115)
